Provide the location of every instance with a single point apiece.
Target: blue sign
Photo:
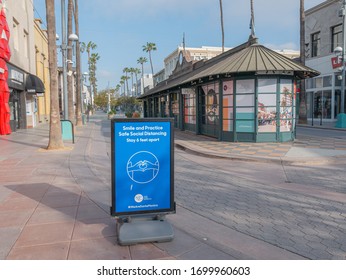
(142, 166)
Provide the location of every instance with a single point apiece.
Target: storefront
(33, 87)
(323, 98)
(23, 98)
(247, 94)
(17, 102)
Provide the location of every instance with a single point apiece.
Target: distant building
(194, 54)
(323, 33)
(144, 84)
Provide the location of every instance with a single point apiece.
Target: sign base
(138, 230)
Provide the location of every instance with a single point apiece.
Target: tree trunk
(55, 136)
(151, 64)
(79, 84)
(142, 84)
(303, 119)
(70, 92)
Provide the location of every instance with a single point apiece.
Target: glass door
(210, 121)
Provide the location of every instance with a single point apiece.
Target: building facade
(323, 33)
(22, 80)
(192, 54)
(42, 71)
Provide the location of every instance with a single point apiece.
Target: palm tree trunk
(55, 137)
(303, 119)
(151, 64)
(142, 84)
(131, 83)
(79, 100)
(71, 114)
(136, 84)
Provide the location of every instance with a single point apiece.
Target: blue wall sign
(142, 166)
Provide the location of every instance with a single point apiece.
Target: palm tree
(132, 71)
(117, 89)
(55, 136)
(122, 83)
(136, 72)
(149, 47)
(94, 57)
(126, 70)
(303, 118)
(141, 61)
(70, 106)
(222, 29)
(88, 47)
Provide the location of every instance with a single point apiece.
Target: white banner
(173, 269)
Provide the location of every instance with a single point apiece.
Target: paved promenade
(55, 204)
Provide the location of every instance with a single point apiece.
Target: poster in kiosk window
(142, 167)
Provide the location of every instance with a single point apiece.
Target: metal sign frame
(142, 166)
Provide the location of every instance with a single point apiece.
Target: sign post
(142, 179)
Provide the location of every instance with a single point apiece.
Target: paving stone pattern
(311, 227)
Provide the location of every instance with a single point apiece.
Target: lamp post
(84, 75)
(340, 52)
(64, 47)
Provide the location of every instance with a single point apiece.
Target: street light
(64, 47)
(340, 52)
(84, 75)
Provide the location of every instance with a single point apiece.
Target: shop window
(266, 85)
(310, 83)
(190, 106)
(338, 79)
(321, 106)
(245, 86)
(167, 106)
(245, 119)
(327, 104)
(175, 104)
(266, 114)
(319, 82)
(336, 37)
(286, 105)
(245, 102)
(327, 81)
(316, 44)
(227, 106)
(210, 108)
(15, 34)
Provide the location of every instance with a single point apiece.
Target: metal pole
(342, 105)
(63, 51)
(109, 99)
(81, 94)
(313, 108)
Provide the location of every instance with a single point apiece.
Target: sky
(120, 28)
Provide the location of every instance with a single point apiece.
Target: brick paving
(55, 205)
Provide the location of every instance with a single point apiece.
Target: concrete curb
(287, 161)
